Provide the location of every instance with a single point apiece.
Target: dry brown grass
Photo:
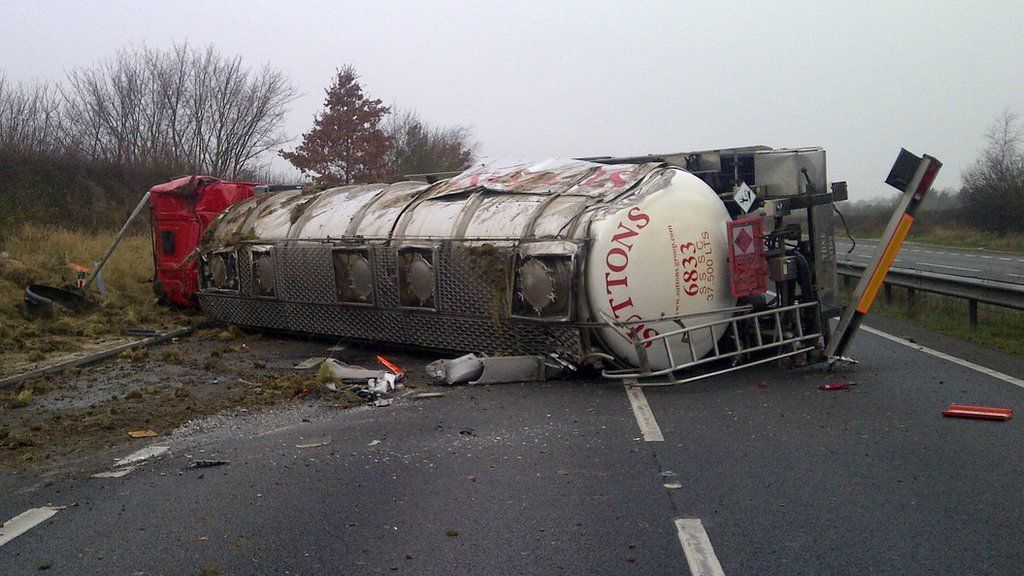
(38, 254)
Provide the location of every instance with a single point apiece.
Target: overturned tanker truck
(662, 269)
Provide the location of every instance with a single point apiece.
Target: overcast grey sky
(549, 78)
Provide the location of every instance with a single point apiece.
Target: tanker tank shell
(658, 253)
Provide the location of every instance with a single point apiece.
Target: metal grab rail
(778, 340)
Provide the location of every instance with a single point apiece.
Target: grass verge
(41, 255)
(998, 328)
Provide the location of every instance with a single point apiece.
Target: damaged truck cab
(665, 268)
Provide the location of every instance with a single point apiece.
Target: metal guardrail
(973, 290)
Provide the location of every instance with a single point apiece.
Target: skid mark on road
(976, 367)
(24, 522)
(700, 556)
(642, 410)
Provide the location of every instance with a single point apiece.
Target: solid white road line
(951, 267)
(24, 522)
(642, 410)
(700, 556)
(976, 367)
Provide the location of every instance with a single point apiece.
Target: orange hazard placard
(748, 271)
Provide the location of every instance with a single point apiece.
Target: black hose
(803, 272)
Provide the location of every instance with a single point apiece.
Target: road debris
(310, 363)
(317, 444)
(456, 371)
(498, 369)
(837, 386)
(374, 443)
(118, 473)
(382, 402)
(425, 395)
(391, 366)
(466, 432)
(142, 455)
(141, 433)
(207, 463)
(451, 533)
(348, 373)
(978, 412)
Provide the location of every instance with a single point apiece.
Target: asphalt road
(556, 478)
(986, 264)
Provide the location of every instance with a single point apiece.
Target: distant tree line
(990, 199)
(993, 189)
(80, 152)
(188, 109)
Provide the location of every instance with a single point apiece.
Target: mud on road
(86, 413)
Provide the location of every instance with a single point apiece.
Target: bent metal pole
(117, 240)
(914, 176)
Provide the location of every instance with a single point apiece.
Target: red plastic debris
(398, 371)
(838, 386)
(981, 412)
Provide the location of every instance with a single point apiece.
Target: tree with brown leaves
(346, 143)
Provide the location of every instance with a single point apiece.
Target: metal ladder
(776, 341)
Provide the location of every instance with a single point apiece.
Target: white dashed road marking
(24, 522)
(700, 556)
(952, 267)
(976, 367)
(642, 410)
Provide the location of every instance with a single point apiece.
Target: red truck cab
(180, 212)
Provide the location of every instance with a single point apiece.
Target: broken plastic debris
(398, 371)
(498, 369)
(456, 371)
(343, 371)
(141, 433)
(382, 385)
(143, 454)
(314, 444)
(425, 395)
(310, 363)
(374, 443)
(382, 402)
(979, 412)
(837, 386)
(207, 463)
(502, 369)
(114, 473)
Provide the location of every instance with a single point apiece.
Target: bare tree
(30, 117)
(993, 189)
(193, 109)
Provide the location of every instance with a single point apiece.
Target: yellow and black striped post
(914, 176)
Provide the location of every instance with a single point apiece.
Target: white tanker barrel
(520, 258)
(660, 252)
